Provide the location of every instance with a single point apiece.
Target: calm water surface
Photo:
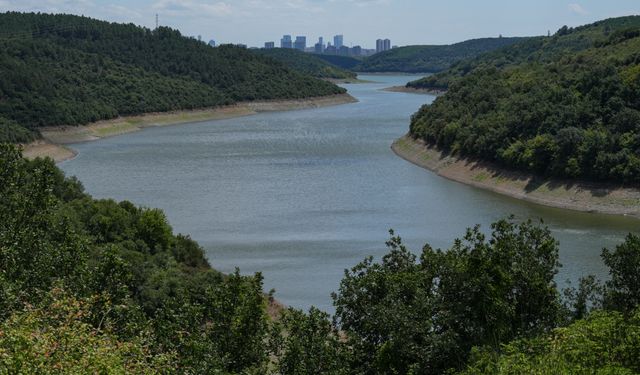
(302, 195)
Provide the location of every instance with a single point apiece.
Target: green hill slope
(537, 48)
(344, 62)
(566, 106)
(62, 69)
(306, 63)
(421, 59)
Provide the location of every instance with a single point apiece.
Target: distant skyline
(405, 22)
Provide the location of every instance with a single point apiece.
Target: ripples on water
(303, 195)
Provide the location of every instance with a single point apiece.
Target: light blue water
(302, 195)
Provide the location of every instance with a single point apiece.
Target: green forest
(71, 70)
(565, 106)
(99, 286)
(306, 63)
(423, 59)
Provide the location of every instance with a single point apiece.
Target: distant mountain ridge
(430, 58)
(71, 70)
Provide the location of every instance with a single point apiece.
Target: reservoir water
(302, 195)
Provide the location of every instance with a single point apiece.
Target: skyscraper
(285, 42)
(338, 41)
(383, 45)
(269, 45)
(319, 47)
(301, 43)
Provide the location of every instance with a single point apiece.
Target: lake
(302, 195)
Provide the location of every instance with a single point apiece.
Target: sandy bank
(55, 137)
(412, 90)
(579, 196)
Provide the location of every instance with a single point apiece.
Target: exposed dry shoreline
(54, 138)
(572, 195)
(412, 90)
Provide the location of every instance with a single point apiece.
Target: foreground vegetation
(102, 286)
(566, 106)
(307, 63)
(70, 70)
(423, 59)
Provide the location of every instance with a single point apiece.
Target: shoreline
(571, 195)
(411, 90)
(55, 138)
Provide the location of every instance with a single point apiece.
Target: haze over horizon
(405, 22)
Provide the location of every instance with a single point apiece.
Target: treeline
(70, 70)
(100, 286)
(422, 59)
(306, 63)
(567, 106)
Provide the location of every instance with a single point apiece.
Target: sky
(405, 22)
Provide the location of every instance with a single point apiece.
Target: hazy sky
(361, 21)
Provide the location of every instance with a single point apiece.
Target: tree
(402, 316)
(623, 290)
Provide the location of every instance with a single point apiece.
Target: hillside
(423, 59)
(306, 63)
(566, 106)
(344, 62)
(63, 69)
(536, 48)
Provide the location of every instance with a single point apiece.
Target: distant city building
(212, 43)
(343, 51)
(356, 51)
(241, 45)
(301, 43)
(199, 38)
(286, 42)
(338, 41)
(269, 45)
(330, 50)
(319, 47)
(383, 45)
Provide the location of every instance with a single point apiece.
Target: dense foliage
(422, 59)
(607, 342)
(99, 286)
(567, 106)
(306, 63)
(101, 275)
(544, 49)
(69, 70)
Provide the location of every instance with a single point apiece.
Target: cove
(302, 195)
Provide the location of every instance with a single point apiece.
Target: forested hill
(565, 41)
(64, 69)
(421, 59)
(565, 106)
(344, 62)
(306, 63)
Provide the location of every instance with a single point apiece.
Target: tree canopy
(71, 70)
(566, 106)
(431, 58)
